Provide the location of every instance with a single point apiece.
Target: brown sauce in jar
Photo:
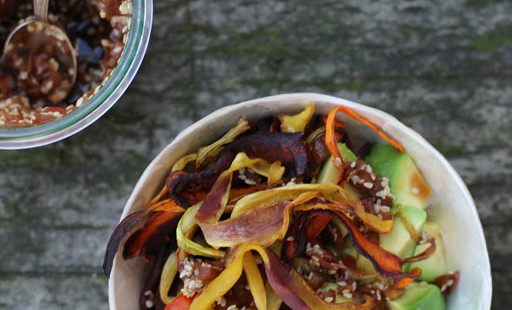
(98, 29)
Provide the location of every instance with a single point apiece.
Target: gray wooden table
(442, 67)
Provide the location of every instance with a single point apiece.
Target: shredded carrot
(159, 196)
(330, 137)
(402, 283)
(316, 224)
(336, 123)
(348, 111)
(167, 205)
(331, 140)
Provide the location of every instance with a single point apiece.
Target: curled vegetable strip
(351, 113)
(167, 277)
(255, 281)
(385, 263)
(122, 230)
(159, 196)
(331, 140)
(158, 229)
(262, 224)
(229, 276)
(291, 287)
(298, 122)
(416, 236)
(295, 291)
(187, 224)
(273, 300)
(262, 198)
(215, 202)
(370, 220)
(329, 191)
(210, 151)
(315, 134)
(275, 174)
(181, 163)
(158, 220)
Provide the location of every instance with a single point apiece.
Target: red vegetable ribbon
(181, 302)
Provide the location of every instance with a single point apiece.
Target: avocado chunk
(330, 173)
(348, 248)
(398, 241)
(419, 296)
(435, 265)
(405, 180)
(332, 286)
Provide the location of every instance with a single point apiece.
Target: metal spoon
(43, 55)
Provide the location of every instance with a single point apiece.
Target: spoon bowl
(43, 56)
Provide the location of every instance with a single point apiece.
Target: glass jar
(99, 103)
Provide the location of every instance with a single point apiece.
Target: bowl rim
(310, 97)
(100, 102)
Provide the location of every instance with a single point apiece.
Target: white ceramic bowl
(99, 103)
(451, 204)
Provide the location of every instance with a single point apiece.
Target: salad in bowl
(306, 204)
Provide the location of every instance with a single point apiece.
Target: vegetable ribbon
(289, 285)
(297, 122)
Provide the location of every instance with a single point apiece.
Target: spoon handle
(41, 10)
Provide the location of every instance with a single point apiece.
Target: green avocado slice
(329, 172)
(398, 241)
(435, 265)
(332, 286)
(405, 180)
(419, 296)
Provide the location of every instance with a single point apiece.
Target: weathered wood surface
(442, 67)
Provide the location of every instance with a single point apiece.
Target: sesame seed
(368, 185)
(385, 209)
(149, 304)
(292, 182)
(117, 49)
(250, 182)
(337, 162)
(221, 301)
